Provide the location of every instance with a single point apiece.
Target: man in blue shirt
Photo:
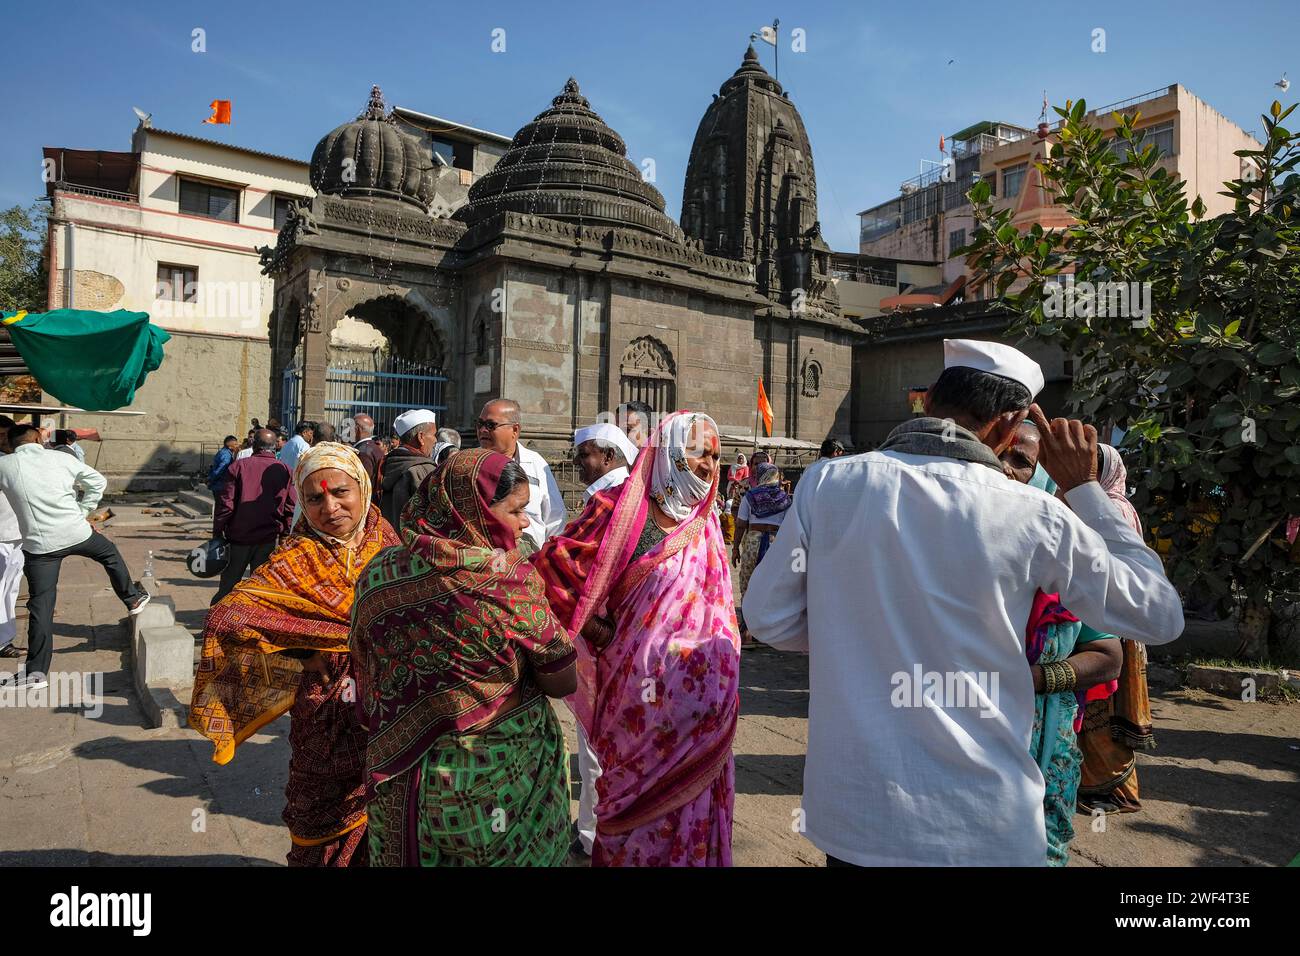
(220, 462)
(302, 439)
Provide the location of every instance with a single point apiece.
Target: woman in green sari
(456, 652)
(1070, 663)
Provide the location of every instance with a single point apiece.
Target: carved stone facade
(561, 282)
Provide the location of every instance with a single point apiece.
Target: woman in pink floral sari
(642, 576)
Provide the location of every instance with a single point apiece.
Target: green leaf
(1232, 328)
(1273, 354)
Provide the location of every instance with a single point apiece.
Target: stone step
(197, 500)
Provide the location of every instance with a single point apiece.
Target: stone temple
(561, 282)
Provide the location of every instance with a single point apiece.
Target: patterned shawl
(447, 626)
(299, 599)
(768, 497)
(1114, 481)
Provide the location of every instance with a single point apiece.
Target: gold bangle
(1049, 679)
(1069, 678)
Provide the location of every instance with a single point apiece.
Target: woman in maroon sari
(642, 576)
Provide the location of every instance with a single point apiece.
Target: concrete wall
(208, 386)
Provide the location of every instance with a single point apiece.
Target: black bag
(209, 559)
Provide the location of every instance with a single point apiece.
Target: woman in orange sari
(279, 642)
(1115, 728)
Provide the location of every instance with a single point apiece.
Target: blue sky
(874, 85)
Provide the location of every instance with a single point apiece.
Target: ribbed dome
(372, 157)
(567, 164)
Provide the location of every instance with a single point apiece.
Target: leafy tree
(1208, 384)
(23, 276)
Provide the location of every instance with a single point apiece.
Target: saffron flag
(941, 145)
(764, 408)
(220, 112)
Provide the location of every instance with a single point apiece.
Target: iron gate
(382, 393)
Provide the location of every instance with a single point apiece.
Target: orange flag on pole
(764, 408)
(220, 112)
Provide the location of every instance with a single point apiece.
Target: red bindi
(324, 487)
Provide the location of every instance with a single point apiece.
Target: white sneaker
(32, 682)
(140, 602)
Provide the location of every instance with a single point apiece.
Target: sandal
(9, 651)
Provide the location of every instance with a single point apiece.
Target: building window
(282, 204)
(213, 202)
(1013, 178)
(453, 153)
(812, 378)
(956, 239)
(177, 283)
(1160, 136)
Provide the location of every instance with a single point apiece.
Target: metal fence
(381, 393)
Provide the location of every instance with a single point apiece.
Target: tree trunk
(1253, 632)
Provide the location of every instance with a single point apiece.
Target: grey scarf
(942, 439)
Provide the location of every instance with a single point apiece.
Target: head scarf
(1114, 481)
(444, 624)
(1042, 480)
(767, 497)
(329, 454)
(676, 489)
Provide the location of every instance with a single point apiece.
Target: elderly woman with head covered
(456, 653)
(279, 642)
(642, 576)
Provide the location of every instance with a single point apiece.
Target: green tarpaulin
(91, 360)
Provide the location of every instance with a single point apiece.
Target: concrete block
(1228, 680)
(198, 499)
(166, 656)
(160, 612)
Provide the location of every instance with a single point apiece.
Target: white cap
(404, 422)
(996, 358)
(610, 433)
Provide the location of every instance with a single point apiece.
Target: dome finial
(571, 86)
(750, 54)
(375, 108)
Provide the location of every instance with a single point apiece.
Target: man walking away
(42, 488)
(299, 443)
(498, 430)
(220, 462)
(908, 574)
(369, 449)
(252, 510)
(323, 431)
(409, 464)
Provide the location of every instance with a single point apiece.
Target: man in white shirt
(603, 453)
(41, 485)
(908, 574)
(498, 430)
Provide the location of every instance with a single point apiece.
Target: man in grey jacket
(41, 486)
(406, 467)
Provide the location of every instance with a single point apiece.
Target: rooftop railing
(95, 191)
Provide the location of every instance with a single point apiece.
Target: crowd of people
(958, 591)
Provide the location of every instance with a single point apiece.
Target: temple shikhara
(558, 279)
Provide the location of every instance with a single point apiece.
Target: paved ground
(1220, 790)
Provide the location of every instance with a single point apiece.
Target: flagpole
(755, 451)
(776, 47)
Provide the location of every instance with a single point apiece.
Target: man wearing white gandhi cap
(908, 574)
(603, 454)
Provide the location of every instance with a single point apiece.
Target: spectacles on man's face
(486, 424)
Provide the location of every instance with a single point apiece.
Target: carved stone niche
(647, 357)
(811, 377)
